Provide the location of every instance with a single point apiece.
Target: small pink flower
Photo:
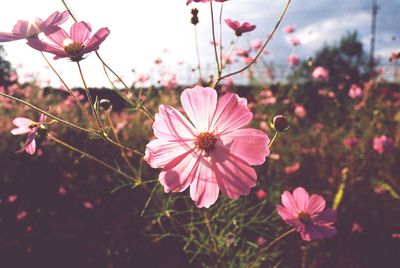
(30, 29)
(22, 214)
(350, 142)
(62, 190)
(261, 194)
(88, 205)
(307, 215)
(382, 144)
(256, 44)
(396, 236)
(261, 241)
(356, 228)
(73, 45)
(292, 168)
(27, 126)
(320, 73)
(212, 151)
(12, 198)
(240, 28)
(355, 91)
(295, 42)
(289, 29)
(293, 60)
(300, 111)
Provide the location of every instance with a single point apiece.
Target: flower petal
(22, 122)
(94, 42)
(301, 197)
(204, 189)
(235, 177)
(171, 125)
(327, 216)
(312, 232)
(231, 114)
(160, 152)
(57, 35)
(289, 202)
(80, 31)
(41, 46)
(199, 104)
(54, 19)
(285, 213)
(180, 172)
(7, 37)
(315, 204)
(242, 142)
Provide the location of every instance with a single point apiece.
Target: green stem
(207, 222)
(273, 139)
(214, 39)
(198, 53)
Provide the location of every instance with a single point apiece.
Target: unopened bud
(194, 19)
(105, 104)
(280, 123)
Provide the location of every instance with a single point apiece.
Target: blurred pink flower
(12, 198)
(30, 29)
(382, 144)
(73, 45)
(62, 190)
(295, 42)
(293, 60)
(27, 126)
(300, 111)
(289, 29)
(292, 168)
(212, 152)
(355, 91)
(256, 44)
(261, 241)
(169, 81)
(87, 205)
(240, 28)
(356, 228)
(320, 73)
(307, 215)
(22, 214)
(350, 142)
(261, 194)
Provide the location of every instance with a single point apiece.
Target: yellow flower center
(73, 48)
(205, 141)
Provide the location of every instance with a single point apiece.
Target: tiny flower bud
(105, 104)
(194, 19)
(280, 123)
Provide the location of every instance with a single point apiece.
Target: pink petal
(301, 197)
(20, 131)
(204, 189)
(29, 147)
(54, 19)
(315, 204)
(22, 122)
(41, 46)
(172, 125)
(242, 142)
(199, 104)
(289, 202)
(231, 114)
(285, 213)
(57, 35)
(94, 42)
(180, 172)
(312, 232)
(7, 37)
(160, 152)
(80, 31)
(235, 177)
(327, 216)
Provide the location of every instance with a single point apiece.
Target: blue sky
(141, 30)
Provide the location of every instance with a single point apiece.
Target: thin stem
(273, 139)
(69, 10)
(91, 103)
(83, 109)
(220, 36)
(233, 45)
(276, 240)
(269, 37)
(198, 53)
(50, 115)
(207, 222)
(84, 154)
(214, 39)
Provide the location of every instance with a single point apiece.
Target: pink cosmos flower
(21, 215)
(73, 45)
(295, 42)
(289, 29)
(320, 73)
(212, 151)
(293, 60)
(292, 168)
(12, 198)
(355, 91)
(307, 215)
(203, 1)
(382, 143)
(261, 194)
(350, 142)
(256, 44)
(30, 29)
(27, 126)
(240, 28)
(300, 111)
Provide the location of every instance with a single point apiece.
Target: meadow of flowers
(294, 172)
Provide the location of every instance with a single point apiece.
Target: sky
(142, 31)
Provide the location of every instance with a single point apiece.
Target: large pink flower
(73, 45)
(30, 29)
(240, 28)
(210, 153)
(27, 126)
(307, 215)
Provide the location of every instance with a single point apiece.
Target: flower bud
(105, 104)
(194, 19)
(280, 123)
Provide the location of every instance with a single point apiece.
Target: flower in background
(289, 29)
(350, 142)
(240, 28)
(292, 168)
(382, 144)
(307, 215)
(300, 111)
(261, 194)
(203, 1)
(295, 42)
(21, 215)
(27, 126)
(212, 152)
(73, 45)
(31, 29)
(355, 91)
(293, 60)
(256, 44)
(320, 73)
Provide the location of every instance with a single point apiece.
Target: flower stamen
(205, 141)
